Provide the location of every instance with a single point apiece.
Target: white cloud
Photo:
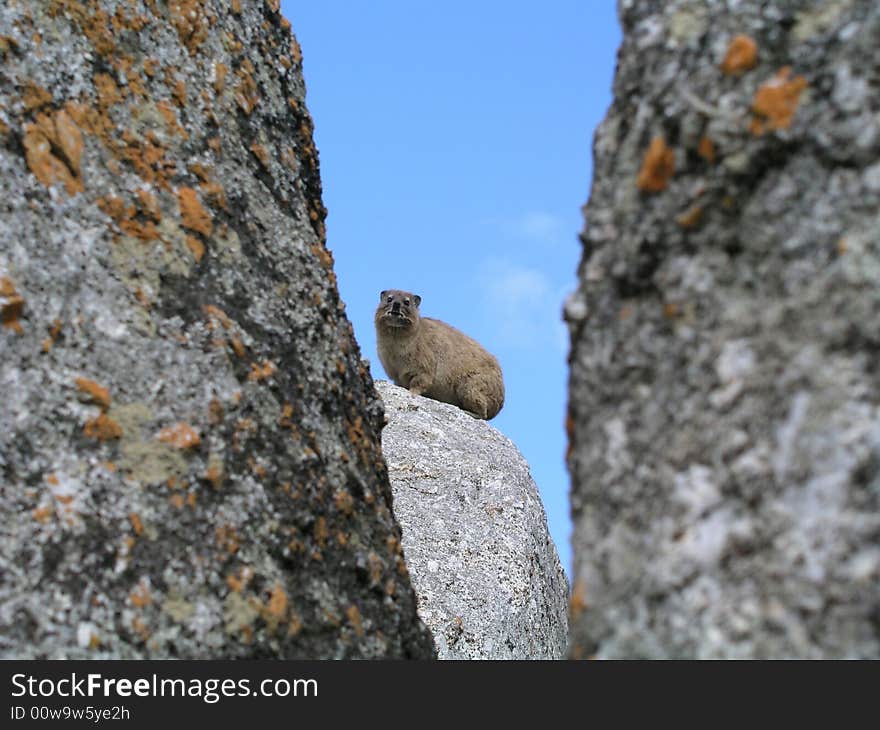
(540, 227)
(525, 304)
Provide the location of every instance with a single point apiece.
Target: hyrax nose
(395, 307)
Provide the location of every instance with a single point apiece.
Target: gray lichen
(725, 411)
(183, 397)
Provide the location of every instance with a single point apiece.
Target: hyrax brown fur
(431, 358)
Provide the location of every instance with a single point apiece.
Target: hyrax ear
(383, 294)
(417, 300)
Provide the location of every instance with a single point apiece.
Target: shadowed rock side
(724, 394)
(486, 574)
(190, 462)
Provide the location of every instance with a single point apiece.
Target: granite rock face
(190, 458)
(725, 364)
(486, 574)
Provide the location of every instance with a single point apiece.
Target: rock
(486, 574)
(190, 454)
(724, 398)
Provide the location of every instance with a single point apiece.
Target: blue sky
(455, 148)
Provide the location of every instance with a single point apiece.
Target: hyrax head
(398, 308)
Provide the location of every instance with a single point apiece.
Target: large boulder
(190, 459)
(486, 574)
(724, 393)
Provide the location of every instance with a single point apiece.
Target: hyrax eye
(406, 302)
(390, 299)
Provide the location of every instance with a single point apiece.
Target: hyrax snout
(431, 358)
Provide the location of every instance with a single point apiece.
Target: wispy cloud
(525, 304)
(534, 227)
(540, 227)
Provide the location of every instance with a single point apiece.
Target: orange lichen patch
(261, 371)
(103, 428)
(220, 71)
(286, 413)
(193, 215)
(147, 157)
(706, 149)
(375, 567)
(42, 152)
(180, 436)
(191, 499)
(842, 246)
(215, 412)
(112, 206)
(69, 139)
(776, 102)
(11, 305)
(218, 314)
(227, 538)
(671, 310)
(258, 469)
(54, 331)
(97, 393)
(578, 603)
(355, 619)
(236, 6)
(323, 255)
(274, 5)
(295, 625)
(246, 92)
(214, 475)
(35, 97)
(295, 51)
(691, 217)
(203, 172)
(214, 144)
(261, 154)
(179, 93)
(148, 205)
(151, 66)
(275, 609)
(190, 20)
(742, 55)
(321, 532)
(140, 628)
(107, 90)
(196, 246)
(238, 583)
(170, 117)
(52, 479)
(344, 501)
(43, 514)
(94, 23)
(237, 346)
(658, 166)
(140, 595)
(7, 43)
(215, 194)
(176, 500)
(136, 523)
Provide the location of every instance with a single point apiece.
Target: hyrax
(431, 358)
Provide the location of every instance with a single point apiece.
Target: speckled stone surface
(190, 461)
(486, 573)
(724, 393)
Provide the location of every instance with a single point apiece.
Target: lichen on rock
(724, 401)
(180, 383)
